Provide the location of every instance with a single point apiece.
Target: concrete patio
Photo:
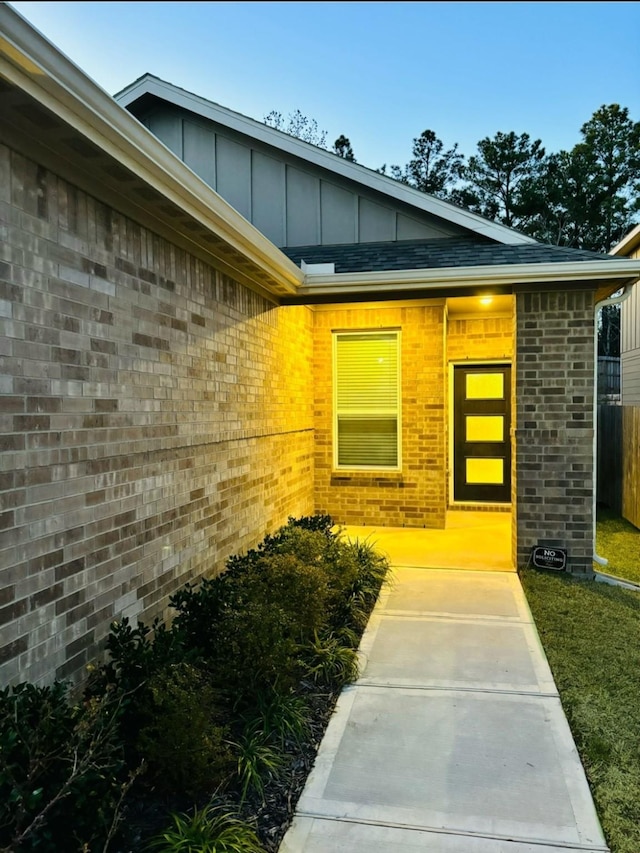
(453, 740)
(478, 541)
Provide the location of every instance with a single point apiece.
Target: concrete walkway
(453, 740)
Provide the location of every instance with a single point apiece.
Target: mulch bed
(146, 815)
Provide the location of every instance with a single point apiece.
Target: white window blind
(367, 400)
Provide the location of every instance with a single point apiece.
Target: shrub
(136, 654)
(364, 571)
(199, 608)
(61, 769)
(250, 624)
(209, 830)
(182, 739)
(328, 662)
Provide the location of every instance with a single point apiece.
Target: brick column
(554, 424)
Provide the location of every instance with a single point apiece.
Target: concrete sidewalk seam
(437, 830)
(433, 687)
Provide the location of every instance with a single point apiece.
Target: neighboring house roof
(628, 244)
(434, 254)
(148, 88)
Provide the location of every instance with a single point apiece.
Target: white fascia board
(462, 277)
(29, 61)
(628, 243)
(319, 157)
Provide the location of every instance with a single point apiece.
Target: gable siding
(339, 214)
(630, 346)
(293, 203)
(199, 151)
(303, 208)
(233, 171)
(268, 209)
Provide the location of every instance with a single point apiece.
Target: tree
(586, 198)
(342, 147)
(298, 125)
(502, 178)
(431, 169)
(612, 141)
(609, 330)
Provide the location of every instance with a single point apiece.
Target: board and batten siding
(630, 345)
(291, 202)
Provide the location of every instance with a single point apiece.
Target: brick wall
(554, 424)
(479, 338)
(416, 496)
(155, 415)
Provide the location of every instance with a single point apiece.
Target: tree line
(585, 198)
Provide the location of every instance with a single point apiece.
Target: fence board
(609, 486)
(631, 464)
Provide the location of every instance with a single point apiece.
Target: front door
(481, 433)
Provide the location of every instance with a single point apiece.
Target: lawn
(591, 635)
(619, 542)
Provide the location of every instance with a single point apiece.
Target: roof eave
(150, 85)
(628, 243)
(28, 60)
(461, 278)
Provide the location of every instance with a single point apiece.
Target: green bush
(362, 571)
(137, 653)
(182, 739)
(61, 769)
(249, 625)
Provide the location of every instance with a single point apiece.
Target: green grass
(619, 542)
(591, 635)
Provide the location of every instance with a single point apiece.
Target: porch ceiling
(481, 306)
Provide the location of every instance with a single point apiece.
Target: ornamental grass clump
(211, 829)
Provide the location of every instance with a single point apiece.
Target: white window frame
(397, 412)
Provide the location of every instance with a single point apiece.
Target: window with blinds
(366, 382)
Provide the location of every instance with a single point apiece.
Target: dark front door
(481, 433)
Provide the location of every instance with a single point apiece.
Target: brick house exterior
(166, 394)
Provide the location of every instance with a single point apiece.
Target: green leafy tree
(431, 169)
(503, 177)
(611, 147)
(342, 147)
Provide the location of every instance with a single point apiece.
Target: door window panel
(485, 386)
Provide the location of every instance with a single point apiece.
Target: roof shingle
(435, 254)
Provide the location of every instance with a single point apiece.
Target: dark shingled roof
(434, 254)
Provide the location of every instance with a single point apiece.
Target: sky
(380, 73)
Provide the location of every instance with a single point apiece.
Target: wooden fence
(618, 471)
(631, 464)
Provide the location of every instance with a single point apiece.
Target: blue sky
(380, 72)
